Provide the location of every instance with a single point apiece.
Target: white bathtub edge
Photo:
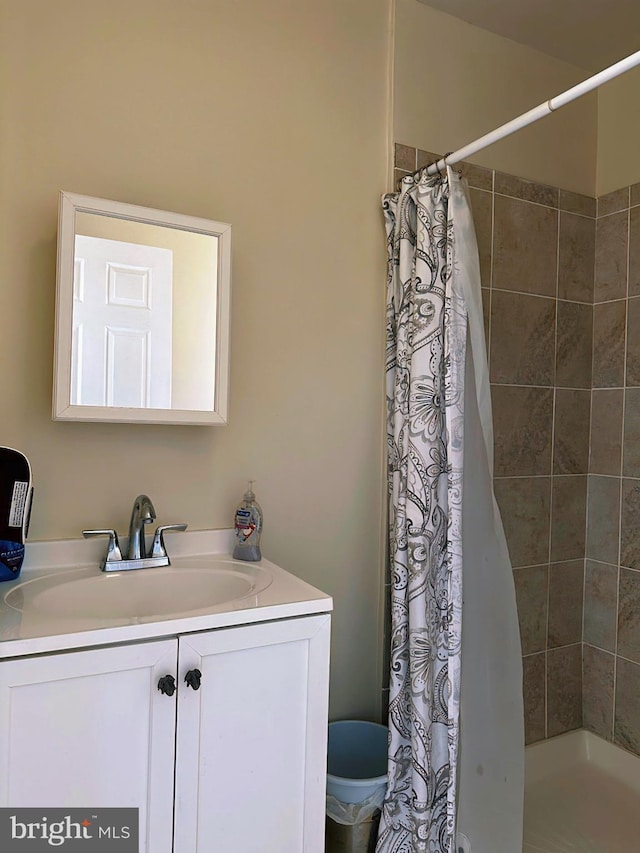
(612, 759)
(554, 755)
(564, 752)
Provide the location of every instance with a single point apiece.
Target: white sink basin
(143, 593)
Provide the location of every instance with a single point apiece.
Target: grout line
(544, 296)
(490, 306)
(620, 506)
(611, 387)
(600, 649)
(583, 696)
(599, 303)
(625, 659)
(546, 692)
(527, 200)
(552, 497)
(556, 649)
(577, 213)
(604, 563)
(613, 212)
(537, 477)
(548, 387)
(555, 206)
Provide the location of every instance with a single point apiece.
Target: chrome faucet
(143, 513)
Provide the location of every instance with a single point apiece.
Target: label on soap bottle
(244, 525)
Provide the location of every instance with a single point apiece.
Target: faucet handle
(158, 548)
(114, 555)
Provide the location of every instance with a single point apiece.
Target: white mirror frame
(69, 205)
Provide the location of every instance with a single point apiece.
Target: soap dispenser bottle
(248, 527)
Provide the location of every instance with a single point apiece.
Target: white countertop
(30, 632)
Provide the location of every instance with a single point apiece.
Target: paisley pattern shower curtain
(426, 342)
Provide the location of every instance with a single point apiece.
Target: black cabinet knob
(167, 685)
(193, 677)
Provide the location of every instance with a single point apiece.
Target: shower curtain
(455, 764)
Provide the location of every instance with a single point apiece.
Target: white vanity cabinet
(235, 765)
(88, 728)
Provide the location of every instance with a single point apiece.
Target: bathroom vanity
(208, 715)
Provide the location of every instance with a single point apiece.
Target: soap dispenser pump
(248, 527)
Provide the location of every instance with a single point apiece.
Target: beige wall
(270, 116)
(619, 133)
(455, 82)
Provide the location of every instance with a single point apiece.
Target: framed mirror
(142, 315)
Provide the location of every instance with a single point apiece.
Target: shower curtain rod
(536, 113)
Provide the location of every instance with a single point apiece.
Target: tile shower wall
(537, 246)
(540, 293)
(611, 631)
(561, 296)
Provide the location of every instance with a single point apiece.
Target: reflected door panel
(122, 324)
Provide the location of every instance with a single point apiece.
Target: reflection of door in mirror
(122, 324)
(142, 315)
(194, 301)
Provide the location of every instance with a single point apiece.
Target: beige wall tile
(631, 437)
(522, 339)
(523, 421)
(426, 158)
(482, 209)
(629, 615)
(569, 505)
(600, 602)
(404, 157)
(609, 321)
(613, 201)
(566, 586)
(603, 518)
(597, 691)
(633, 340)
(510, 185)
(564, 689)
(630, 542)
(524, 505)
(531, 594)
(534, 690)
(486, 315)
(525, 247)
(576, 257)
(606, 431)
(611, 257)
(586, 205)
(477, 176)
(571, 431)
(398, 175)
(627, 714)
(574, 342)
(634, 251)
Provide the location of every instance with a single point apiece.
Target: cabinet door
(90, 728)
(256, 731)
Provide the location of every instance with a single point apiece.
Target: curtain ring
(443, 171)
